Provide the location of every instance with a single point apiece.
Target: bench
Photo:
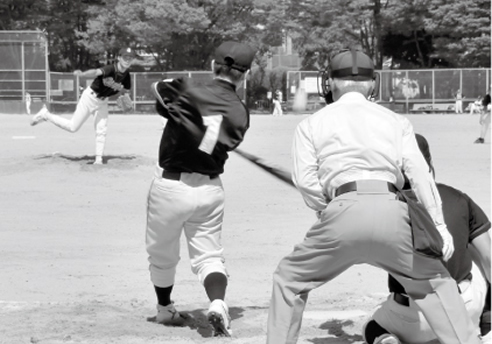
(433, 108)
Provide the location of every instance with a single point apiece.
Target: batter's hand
(448, 246)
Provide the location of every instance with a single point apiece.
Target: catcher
(108, 81)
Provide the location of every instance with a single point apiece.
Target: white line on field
(23, 137)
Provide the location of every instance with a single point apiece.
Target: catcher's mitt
(124, 102)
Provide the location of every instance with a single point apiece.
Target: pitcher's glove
(124, 102)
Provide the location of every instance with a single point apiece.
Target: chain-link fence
(23, 70)
(66, 88)
(406, 91)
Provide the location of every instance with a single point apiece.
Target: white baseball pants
(409, 324)
(194, 204)
(88, 104)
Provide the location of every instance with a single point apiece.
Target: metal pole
(407, 110)
(134, 78)
(23, 73)
(433, 87)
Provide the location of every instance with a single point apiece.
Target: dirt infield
(74, 267)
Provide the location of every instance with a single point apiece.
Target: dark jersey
(486, 100)
(204, 123)
(111, 81)
(465, 221)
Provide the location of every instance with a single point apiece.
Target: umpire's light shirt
(329, 151)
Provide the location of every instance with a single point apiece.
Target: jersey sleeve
(127, 82)
(107, 70)
(479, 222)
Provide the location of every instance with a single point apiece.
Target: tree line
(181, 35)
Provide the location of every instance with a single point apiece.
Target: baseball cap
(238, 56)
(127, 52)
(352, 65)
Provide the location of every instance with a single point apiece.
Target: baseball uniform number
(212, 134)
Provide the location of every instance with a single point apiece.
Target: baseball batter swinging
(186, 194)
(348, 159)
(108, 81)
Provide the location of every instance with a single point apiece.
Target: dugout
(24, 71)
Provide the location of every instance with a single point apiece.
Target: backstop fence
(407, 91)
(24, 72)
(26, 83)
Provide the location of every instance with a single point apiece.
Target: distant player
(108, 81)
(28, 103)
(186, 195)
(277, 107)
(398, 318)
(484, 118)
(459, 102)
(476, 106)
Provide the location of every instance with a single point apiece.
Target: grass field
(74, 267)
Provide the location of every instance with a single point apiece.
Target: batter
(186, 194)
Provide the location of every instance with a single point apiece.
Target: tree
(460, 31)
(181, 35)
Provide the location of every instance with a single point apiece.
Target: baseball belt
(177, 175)
(352, 186)
(403, 299)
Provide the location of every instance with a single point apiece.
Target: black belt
(401, 299)
(177, 175)
(352, 186)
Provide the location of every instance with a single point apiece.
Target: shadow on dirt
(197, 320)
(88, 159)
(335, 328)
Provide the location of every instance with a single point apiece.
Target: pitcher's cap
(127, 52)
(352, 65)
(238, 56)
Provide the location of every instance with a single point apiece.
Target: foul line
(23, 137)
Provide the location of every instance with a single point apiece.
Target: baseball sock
(163, 295)
(215, 285)
(373, 330)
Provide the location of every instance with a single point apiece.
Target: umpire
(348, 159)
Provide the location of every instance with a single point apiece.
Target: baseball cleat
(98, 161)
(40, 116)
(479, 140)
(387, 338)
(218, 317)
(167, 315)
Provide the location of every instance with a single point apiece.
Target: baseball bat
(277, 172)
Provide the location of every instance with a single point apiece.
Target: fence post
(134, 78)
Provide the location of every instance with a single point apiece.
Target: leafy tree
(21, 14)
(181, 35)
(322, 28)
(460, 32)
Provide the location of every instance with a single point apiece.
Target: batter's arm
(305, 169)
